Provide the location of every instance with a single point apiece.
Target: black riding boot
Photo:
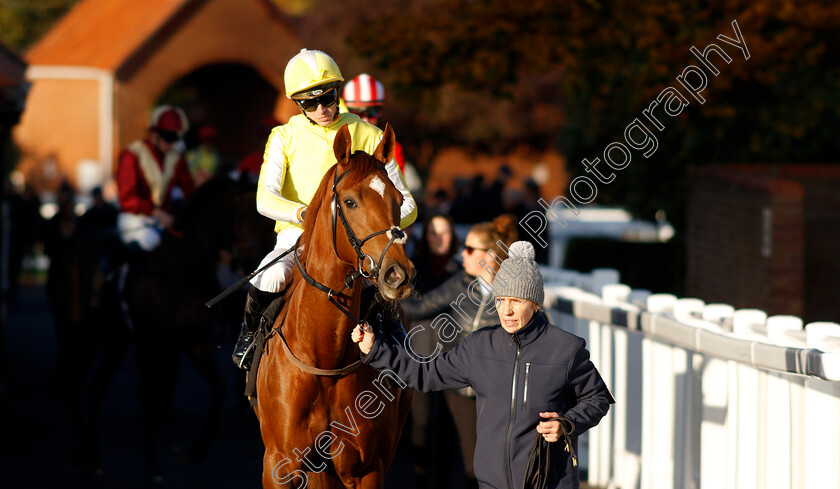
(258, 301)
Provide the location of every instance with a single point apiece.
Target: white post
(822, 414)
(690, 402)
(782, 407)
(746, 411)
(602, 277)
(688, 308)
(659, 371)
(599, 459)
(716, 420)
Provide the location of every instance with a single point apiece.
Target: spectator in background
(492, 194)
(252, 162)
(365, 97)
(148, 172)
(101, 216)
(438, 203)
(61, 242)
(433, 257)
(204, 160)
(465, 206)
(484, 249)
(512, 201)
(25, 231)
(530, 202)
(434, 263)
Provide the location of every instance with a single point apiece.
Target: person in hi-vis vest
(148, 172)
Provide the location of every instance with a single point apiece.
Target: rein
(539, 461)
(299, 363)
(395, 234)
(323, 288)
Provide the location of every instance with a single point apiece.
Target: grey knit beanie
(519, 276)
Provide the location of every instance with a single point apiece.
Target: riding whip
(212, 302)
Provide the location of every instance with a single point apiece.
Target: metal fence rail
(706, 396)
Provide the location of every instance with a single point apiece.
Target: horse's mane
(360, 165)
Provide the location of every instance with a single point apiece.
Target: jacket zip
(512, 412)
(477, 318)
(525, 396)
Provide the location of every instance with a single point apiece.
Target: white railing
(706, 396)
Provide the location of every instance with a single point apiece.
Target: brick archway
(233, 98)
(97, 75)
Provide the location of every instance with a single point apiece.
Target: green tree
(23, 22)
(495, 69)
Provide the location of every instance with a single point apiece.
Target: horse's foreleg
(113, 354)
(372, 480)
(202, 358)
(282, 472)
(147, 386)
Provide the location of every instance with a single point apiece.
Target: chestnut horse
(327, 421)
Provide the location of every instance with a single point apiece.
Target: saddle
(269, 316)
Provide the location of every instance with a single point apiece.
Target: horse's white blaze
(378, 185)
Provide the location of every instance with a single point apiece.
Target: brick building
(766, 237)
(99, 72)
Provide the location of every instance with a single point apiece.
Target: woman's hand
(363, 335)
(550, 430)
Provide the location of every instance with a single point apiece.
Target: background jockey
(296, 157)
(365, 97)
(149, 170)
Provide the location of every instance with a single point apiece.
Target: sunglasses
(368, 112)
(470, 249)
(328, 99)
(169, 136)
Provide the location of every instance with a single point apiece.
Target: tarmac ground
(37, 431)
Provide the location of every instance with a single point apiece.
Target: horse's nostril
(394, 276)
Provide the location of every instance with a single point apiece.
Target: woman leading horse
(327, 421)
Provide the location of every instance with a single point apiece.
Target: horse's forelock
(360, 166)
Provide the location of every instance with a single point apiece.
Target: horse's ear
(342, 144)
(385, 151)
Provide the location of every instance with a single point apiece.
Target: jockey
(297, 155)
(365, 97)
(148, 172)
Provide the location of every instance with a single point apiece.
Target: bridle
(394, 233)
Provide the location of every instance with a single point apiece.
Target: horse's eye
(350, 203)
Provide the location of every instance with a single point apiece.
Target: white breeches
(273, 278)
(140, 229)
